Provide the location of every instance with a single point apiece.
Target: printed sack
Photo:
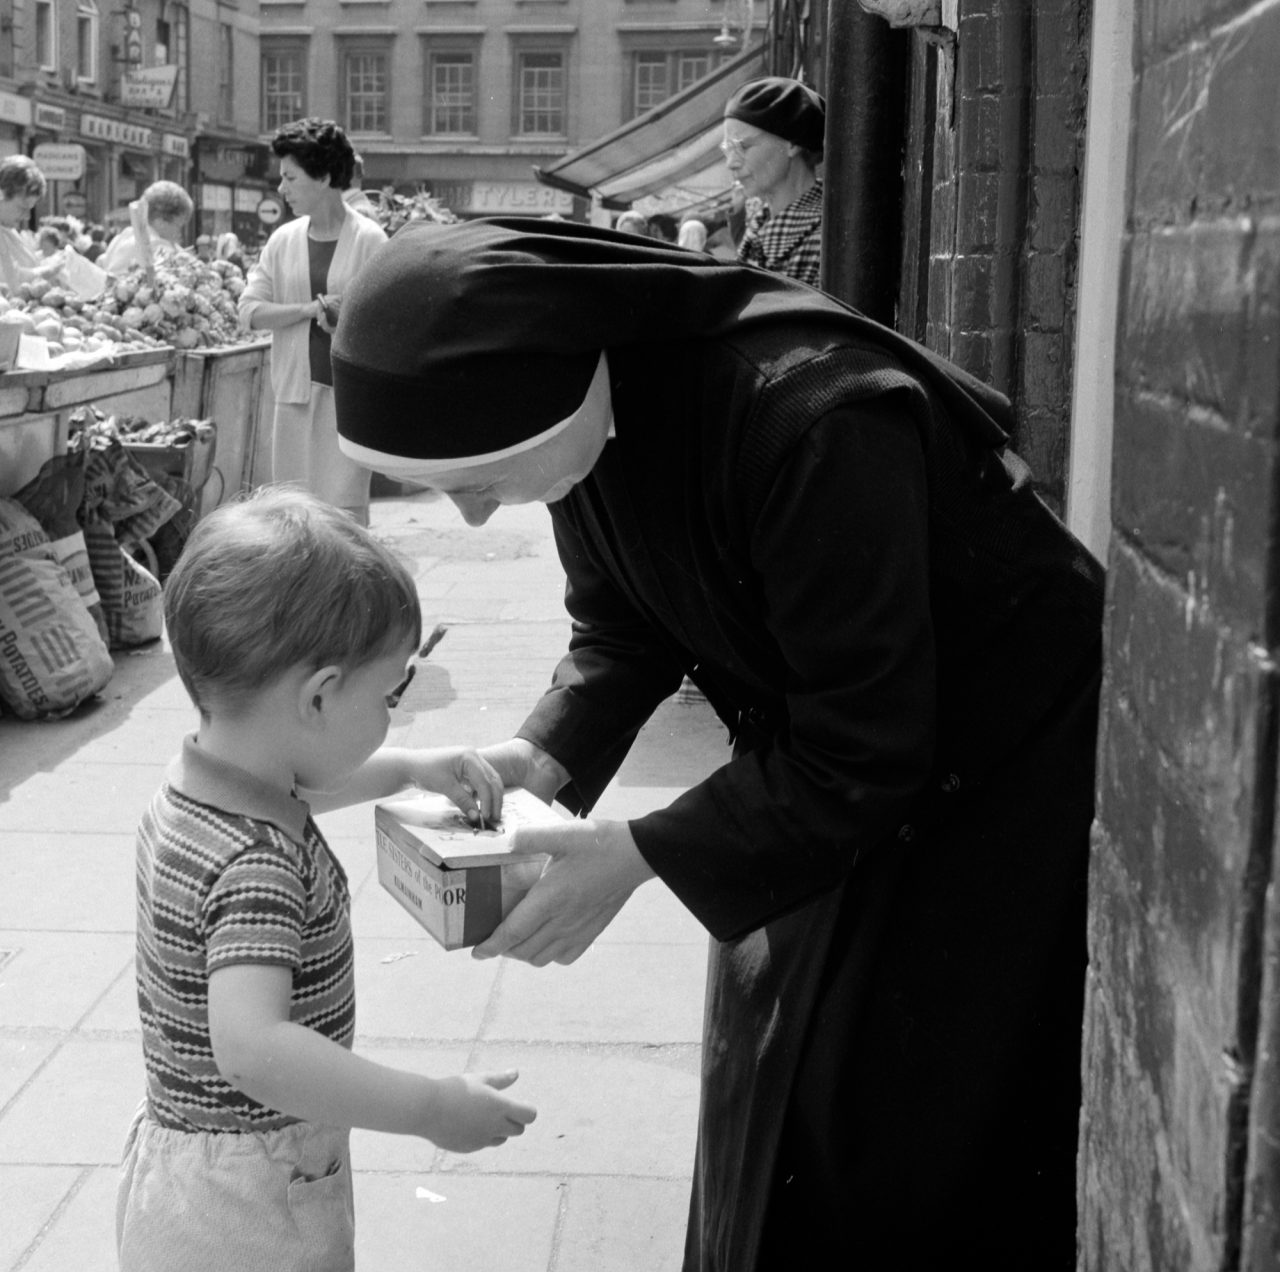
(54, 497)
(138, 613)
(51, 655)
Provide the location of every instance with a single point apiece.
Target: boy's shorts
(206, 1201)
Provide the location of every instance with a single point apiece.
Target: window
(365, 90)
(284, 97)
(87, 41)
(540, 94)
(226, 71)
(451, 93)
(164, 38)
(657, 74)
(46, 36)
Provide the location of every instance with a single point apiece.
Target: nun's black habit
(819, 523)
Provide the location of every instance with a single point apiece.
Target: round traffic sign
(270, 210)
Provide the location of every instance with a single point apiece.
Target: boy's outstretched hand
(471, 1112)
(465, 777)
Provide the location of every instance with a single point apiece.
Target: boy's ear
(315, 692)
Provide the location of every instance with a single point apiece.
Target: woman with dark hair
(295, 292)
(22, 186)
(820, 523)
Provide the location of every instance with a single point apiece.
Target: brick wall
(1003, 210)
(1181, 1129)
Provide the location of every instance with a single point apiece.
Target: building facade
(463, 98)
(110, 95)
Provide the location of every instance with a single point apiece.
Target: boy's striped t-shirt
(231, 872)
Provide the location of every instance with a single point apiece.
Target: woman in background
(773, 143)
(169, 208)
(22, 186)
(295, 291)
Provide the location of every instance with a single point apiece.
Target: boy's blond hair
(276, 581)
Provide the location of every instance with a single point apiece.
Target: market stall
(125, 416)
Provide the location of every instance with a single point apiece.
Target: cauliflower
(174, 300)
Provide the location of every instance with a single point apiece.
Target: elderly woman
(22, 186)
(295, 291)
(773, 140)
(169, 208)
(821, 524)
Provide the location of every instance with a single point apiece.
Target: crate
(189, 460)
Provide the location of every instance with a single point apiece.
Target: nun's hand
(594, 867)
(520, 763)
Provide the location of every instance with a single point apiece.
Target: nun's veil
(461, 340)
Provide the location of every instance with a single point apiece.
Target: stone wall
(1000, 213)
(1181, 1130)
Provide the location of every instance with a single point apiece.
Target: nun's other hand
(520, 763)
(594, 867)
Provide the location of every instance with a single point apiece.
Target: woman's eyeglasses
(731, 148)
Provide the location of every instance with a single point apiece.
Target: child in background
(291, 629)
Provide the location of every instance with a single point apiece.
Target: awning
(670, 146)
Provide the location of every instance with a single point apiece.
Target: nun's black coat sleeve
(839, 599)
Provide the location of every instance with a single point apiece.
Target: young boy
(291, 628)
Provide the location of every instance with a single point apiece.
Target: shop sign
(60, 162)
(74, 203)
(15, 110)
(232, 163)
(516, 196)
(270, 210)
(54, 118)
(174, 145)
(132, 34)
(150, 86)
(102, 129)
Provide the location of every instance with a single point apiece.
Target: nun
(823, 526)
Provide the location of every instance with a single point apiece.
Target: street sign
(270, 210)
(60, 161)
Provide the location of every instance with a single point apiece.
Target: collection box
(457, 881)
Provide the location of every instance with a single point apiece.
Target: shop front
(231, 178)
(15, 117)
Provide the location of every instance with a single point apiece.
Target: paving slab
(616, 993)
(98, 797)
(67, 882)
(623, 1225)
(494, 1224)
(84, 1234)
(32, 1194)
(22, 1053)
(415, 989)
(77, 1109)
(54, 978)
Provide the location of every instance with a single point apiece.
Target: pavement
(607, 1048)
